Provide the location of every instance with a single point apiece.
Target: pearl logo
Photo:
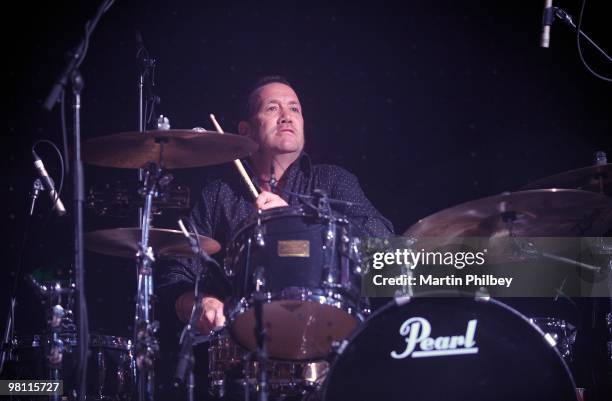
(417, 333)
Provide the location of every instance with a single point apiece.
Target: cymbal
(534, 213)
(592, 178)
(181, 149)
(124, 242)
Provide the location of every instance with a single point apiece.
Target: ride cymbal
(534, 213)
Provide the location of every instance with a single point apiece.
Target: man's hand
(212, 312)
(268, 200)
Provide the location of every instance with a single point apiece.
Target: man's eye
(296, 109)
(272, 108)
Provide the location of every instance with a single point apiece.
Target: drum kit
(297, 325)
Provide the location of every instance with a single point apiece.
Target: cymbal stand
(145, 344)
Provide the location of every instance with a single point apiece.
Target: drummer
(273, 118)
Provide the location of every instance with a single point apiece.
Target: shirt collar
(302, 164)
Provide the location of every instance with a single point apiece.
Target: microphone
(193, 243)
(49, 185)
(548, 16)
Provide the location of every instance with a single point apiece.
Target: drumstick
(238, 163)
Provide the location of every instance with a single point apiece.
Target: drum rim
(305, 294)
(337, 353)
(278, 212)
(266, 215)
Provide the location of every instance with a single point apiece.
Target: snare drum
(111, 368)
(308, 269)
(448, 349)
(231, 372)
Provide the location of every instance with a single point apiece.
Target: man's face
(278, 124)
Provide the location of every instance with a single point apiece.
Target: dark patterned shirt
(226, 203)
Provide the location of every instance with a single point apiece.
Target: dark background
(430, 104)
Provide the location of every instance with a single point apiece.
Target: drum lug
(259, 278)
(259, 231)
(402, 298)
(482, 295)
(163, 123)
(329, 251)
(56, 316)
(338, 347)
(355, 255)
(227, 266)
(365, 307)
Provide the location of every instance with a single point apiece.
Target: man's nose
(285, 117)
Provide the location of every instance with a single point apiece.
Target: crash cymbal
(181, 149)
(124, 242)
(593, 178)
(534, 213)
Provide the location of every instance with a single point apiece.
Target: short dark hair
(251, 106)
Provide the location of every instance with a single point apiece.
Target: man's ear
(244, 128)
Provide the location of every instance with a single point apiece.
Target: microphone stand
(71, 71)
(186, 359)
(6, 346)
(5, 352)
(79, 257)
(76, 59)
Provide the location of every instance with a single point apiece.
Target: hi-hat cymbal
(181, 149)
(535, 213)
(124, 242)
(592, 178)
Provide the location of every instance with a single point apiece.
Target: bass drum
(448, 348)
